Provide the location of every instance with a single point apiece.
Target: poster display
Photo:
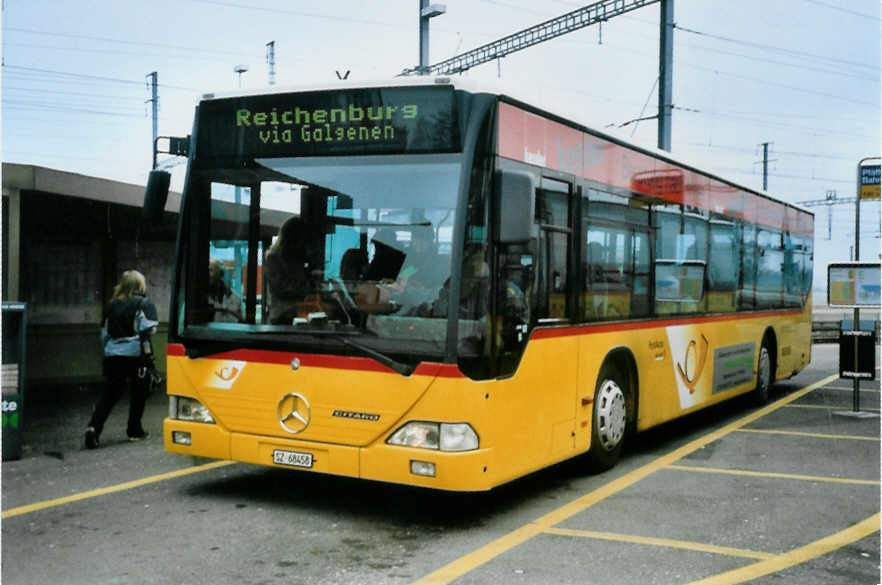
(853, 284)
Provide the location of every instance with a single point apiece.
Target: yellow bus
(428, 283)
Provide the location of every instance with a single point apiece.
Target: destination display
(399, 120)
(853, 284)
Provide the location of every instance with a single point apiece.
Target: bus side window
(640, 287)
(695, 232)
(747, 290)
(770, 269)
(552, 215)
(723, 267)
(513, 304)
(793, 269)
(807, 267)
(608, 268)
(667, 230)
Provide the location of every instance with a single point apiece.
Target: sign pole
(855, 327)
(856, 323)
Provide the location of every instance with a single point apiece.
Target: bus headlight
(458, 437)
(433, 435)
(186, 408)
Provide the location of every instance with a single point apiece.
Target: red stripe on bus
(583, 329)
(319, 361)
(452, 370)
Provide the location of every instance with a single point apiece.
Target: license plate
(292, 458)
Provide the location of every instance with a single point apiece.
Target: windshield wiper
(403, 369)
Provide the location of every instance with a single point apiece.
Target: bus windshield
(349, 245)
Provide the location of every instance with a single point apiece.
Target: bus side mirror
(155, 197)
(515, 206)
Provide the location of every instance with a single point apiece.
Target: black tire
(764, 374)
(609, 418)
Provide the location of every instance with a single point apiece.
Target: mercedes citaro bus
(429, 283)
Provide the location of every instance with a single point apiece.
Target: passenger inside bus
(474, 290)
(225, 303)
(353, 265)
(290, 273)
(421, 274)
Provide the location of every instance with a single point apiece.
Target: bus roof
(509, 93)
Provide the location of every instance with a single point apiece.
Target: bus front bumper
(466, 471)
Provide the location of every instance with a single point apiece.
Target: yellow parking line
(111, 489)
(796, 556)
(851, 389)
(718, 470)
(826, 407)
(812, 435)
(478, 557)
(634, 539)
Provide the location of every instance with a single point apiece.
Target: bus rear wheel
(609, 419)
(763, 374)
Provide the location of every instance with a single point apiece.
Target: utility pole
(4, 19)
(665, 73)
(765, 166)
(271, 61)
(766, 162)
(831, 198)
(239, 70)
(154, 92)
(427, 11)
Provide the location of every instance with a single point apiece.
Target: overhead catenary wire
(845, 10)
(300, 13)
(765, 47)
(64, 74)
(7, 87)
(62, 109)
(127, 42)
(215, 58)
(872, 69)
(741, 171)
(779, 152)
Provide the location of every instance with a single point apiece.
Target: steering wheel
(339, 293)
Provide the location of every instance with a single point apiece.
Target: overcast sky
(802, 75)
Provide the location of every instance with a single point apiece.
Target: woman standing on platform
(131, 320)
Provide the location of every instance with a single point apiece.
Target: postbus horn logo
(694, 359)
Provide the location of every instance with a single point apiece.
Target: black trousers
(121, 372)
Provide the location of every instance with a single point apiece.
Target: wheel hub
(610, 414)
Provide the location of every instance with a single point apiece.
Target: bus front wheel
(609, 419)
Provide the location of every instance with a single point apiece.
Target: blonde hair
(131, 283)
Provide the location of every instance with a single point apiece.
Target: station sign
(853, 284)
(870, 182)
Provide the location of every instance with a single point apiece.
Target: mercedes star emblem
(293, 413)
